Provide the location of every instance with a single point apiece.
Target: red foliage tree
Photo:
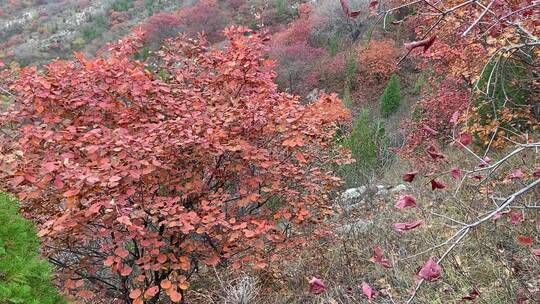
(377, 62)
(432, 119)
(297, 59)
(161, 26)
(205, 16)
(137, 183)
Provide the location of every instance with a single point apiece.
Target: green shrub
(24, 278)
(333, 45)
(351, 67)
(369, 147)
(283, 10)
(391, 97)
(350, 71)
(121, 5)
(419, 84)
(94, 30)
(347, 97)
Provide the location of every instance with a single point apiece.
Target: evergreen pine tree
(391, 97)
(24, 278)
(368, 144)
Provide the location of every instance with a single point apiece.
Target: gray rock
(398, 188)
(353, 194)
(355, 228)
(351, 208)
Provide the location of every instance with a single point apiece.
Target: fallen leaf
(409, 176)
(431, 271)
(405, 201)
(455, 173)
(368, 291)
(379, 257)
(472, 295)
(426, 43)
(516, 217)
(316, 286)
(465, 139)
(437, 185)
(402, 227)
(434, 153)
(516, 175)
(525, 240)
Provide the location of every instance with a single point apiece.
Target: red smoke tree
(137, 181)
(161, 26)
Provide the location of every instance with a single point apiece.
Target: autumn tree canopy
(139, 181)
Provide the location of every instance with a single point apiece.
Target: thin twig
(478, 19)
(465, 230)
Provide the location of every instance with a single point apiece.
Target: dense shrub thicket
(200, 163)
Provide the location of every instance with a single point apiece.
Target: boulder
(353, 195)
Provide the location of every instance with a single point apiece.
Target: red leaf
(431, 271)
(136, 174)
(212, 261)
(456, 173)
(126, 271)
(48, 168)
(150, 292)
(85, 294)
(409, 176)
(162, 258)
(354, 14)
(405, 201)
(135, 293)
(58, 184)
(72, 192)
(516, 175)
(402, 227)
(379, 259)
(345, 6)
(426, 43)
(175, 296)
(316, 286)
(93, 209)
(347, 10)
(121, 252)
(17, 180)
(485, 162)
(472, 295)
(536, 172)
(465, 139)
(165, 284)
(434, 153)
(109, 261)
(373, 5)
(516, 217)
(525, 240)
(437, 185)
(124, 220)
(368, 291)
(497, 216)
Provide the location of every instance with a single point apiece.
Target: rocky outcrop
(354, 199)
